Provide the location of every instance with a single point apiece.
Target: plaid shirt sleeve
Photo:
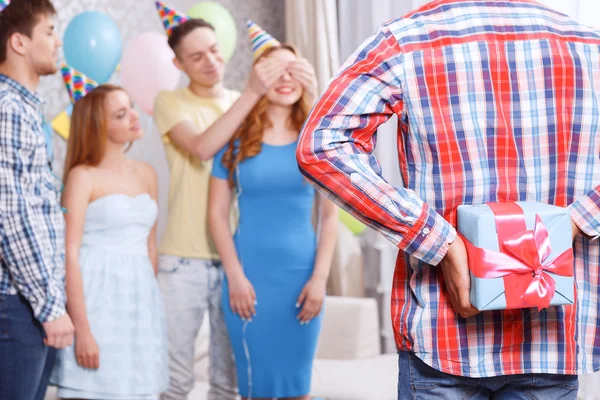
(26, 218)
(336, 146)
(585, 212)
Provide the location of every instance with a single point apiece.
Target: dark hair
(181, 31)
(21, 16)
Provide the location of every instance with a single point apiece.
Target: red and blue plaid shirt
(497, 101)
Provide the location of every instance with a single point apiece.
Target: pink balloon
(147, 68)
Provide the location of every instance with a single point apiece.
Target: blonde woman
(120, 349)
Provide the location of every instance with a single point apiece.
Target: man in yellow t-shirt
(195, 122)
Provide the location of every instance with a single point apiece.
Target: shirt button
(426, 231)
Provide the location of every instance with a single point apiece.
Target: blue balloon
(93, 45)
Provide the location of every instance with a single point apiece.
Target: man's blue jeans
(418, 380)
(25, 362)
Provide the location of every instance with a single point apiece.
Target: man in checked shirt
(497, 101)
(33, 318)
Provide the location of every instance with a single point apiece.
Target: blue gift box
(477, 224)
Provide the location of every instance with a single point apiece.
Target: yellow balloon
(355, 226)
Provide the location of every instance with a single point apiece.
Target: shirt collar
(32, 99)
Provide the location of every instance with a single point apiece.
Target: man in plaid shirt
(32, 288)
(496, 101)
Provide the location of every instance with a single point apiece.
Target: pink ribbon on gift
(523, 260)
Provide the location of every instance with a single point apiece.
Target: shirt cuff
(52, 308)
(430, 237)
(582, 214)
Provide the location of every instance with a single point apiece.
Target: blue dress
(276, 244)
(123, 303)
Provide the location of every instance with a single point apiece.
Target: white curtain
(312, 26)
(359, 19)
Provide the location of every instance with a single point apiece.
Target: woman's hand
(311, 299)
(87, 352)
(242, 297)
(304, 73)
(264, 74)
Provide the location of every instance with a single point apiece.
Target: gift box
(520, 254)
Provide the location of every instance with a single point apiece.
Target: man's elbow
(199, 152)
(192, 144)
(304, 156)
(203, 155)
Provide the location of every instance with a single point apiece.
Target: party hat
(78, 85)
(4, 4)
(61, 124)
(171, 18)
(260, 39)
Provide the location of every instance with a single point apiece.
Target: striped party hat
(171, 18)
(4, 4)
(260, 39)
(78, 85)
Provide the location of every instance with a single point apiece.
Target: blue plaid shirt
(31, 222)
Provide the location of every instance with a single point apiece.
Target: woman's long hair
(87, 134)
(250, 132)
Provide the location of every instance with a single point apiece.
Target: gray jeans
(191, 287)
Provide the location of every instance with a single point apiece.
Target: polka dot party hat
(171, 18)
(78, 85)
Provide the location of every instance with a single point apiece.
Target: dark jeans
(25, 362)
(418, 380)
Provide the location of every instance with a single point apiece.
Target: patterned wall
(137, 16)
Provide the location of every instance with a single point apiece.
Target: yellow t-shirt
(187, 233)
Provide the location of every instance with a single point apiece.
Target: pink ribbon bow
(523, 261)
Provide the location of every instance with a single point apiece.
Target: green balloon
(355, 226)
(218, 16)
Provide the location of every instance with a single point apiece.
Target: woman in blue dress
(276, 265)
(120, 349)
